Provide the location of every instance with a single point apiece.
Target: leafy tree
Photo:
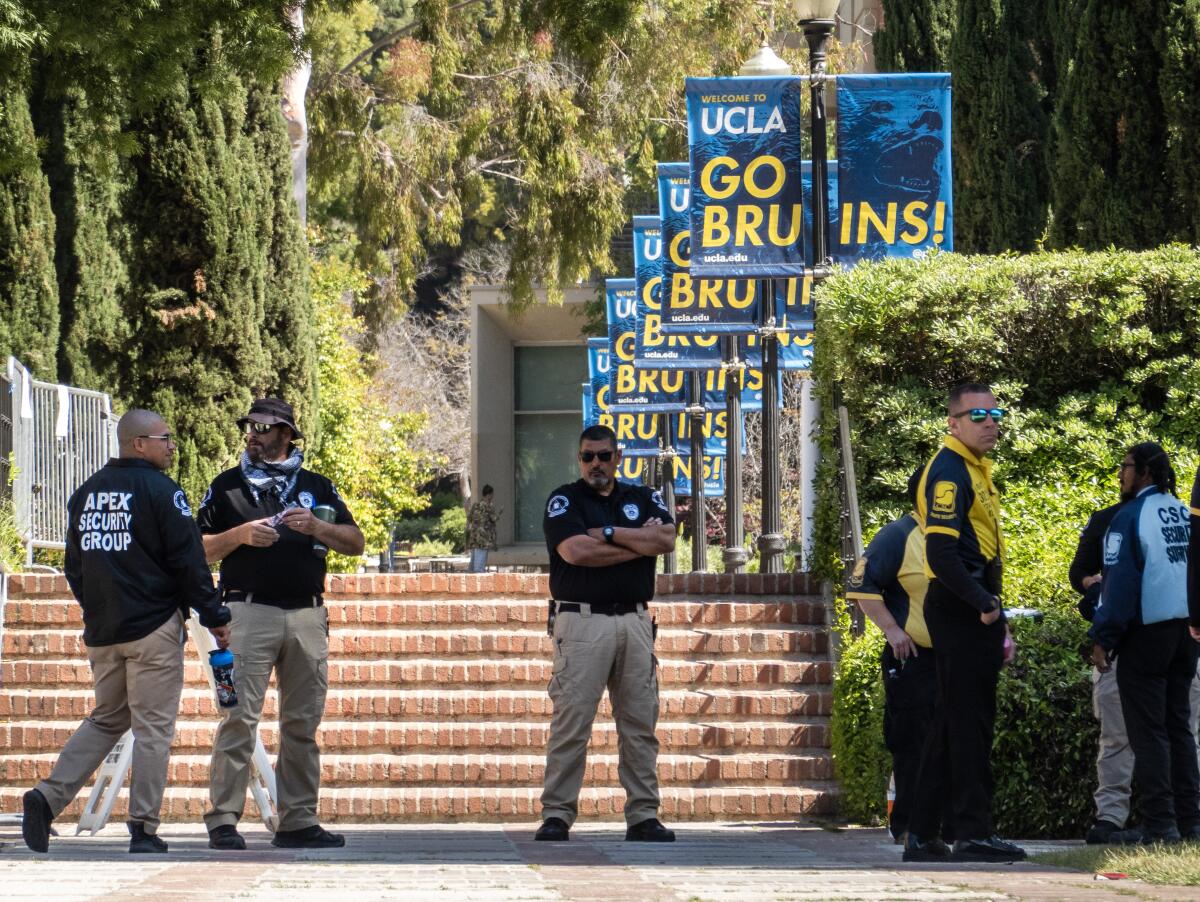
(364, 449)
(1000, 185)
(28, 300)
(915, 36)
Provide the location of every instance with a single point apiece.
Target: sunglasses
(979, 414)
(260, 428)
(588, 456)
(165, 437)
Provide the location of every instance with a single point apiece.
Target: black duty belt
(608, 610)
(290, 603)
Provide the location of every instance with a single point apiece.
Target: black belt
(608, 610)
(289, 603)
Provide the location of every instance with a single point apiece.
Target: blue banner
(633, 389)
(637, 433)
(894, 173)
(599, 372)
(590, 414)
(691, 305)
(633, 469)
(715, 432)
(714, 476)
(747, 217)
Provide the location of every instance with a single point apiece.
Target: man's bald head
(144, 435)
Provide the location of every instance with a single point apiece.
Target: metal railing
(55, 437)
(851, 524)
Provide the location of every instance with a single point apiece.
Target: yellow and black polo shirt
(956, 498)
(892, 570)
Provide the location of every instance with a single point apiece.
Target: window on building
(547, 420)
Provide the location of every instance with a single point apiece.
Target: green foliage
(362, 449)
(428, 547)
(915, 36)
(860, 761)
(452, 527)
(12, 552)
(28, 300)
(1092, 353)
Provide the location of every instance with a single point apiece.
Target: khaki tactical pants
(137, 686)
(295, 644)
(592, 651)
(1114, 763)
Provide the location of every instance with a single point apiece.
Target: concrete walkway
(464, 862)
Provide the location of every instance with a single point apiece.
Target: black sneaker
(314, 837)
(35, 821)
(991, 849)
(226, 837)
(141, 842)
(1100, 833)
(553, 829)
(932, 850)
(1137, 836)
(650, 830)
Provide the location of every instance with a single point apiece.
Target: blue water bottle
(221, 660)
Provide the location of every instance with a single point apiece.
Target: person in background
(481, 529)
(1142, 620)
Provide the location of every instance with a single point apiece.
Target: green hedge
(1092, 352)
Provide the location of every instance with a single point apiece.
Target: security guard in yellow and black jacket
(889, 584)
(963, 552)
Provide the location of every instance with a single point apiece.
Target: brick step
(384, 770)
(772, 640)
(448, 803)
(16, 675)
(458, 704)
(334, 737)
(62, 611)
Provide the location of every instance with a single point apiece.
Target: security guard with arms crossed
(603, 537)
(963, 550)
(889, 584)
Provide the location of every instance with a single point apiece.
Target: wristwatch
(608, 534)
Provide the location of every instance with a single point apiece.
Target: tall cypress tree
(217, 270)
(1180, 44)
(28, 296)
(915, 36)
(1000, 185)
(1108, 181)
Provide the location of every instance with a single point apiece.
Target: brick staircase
(437, 707)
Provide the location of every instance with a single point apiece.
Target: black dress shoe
(141, 842)
(930, 850)
(553, 829)
(649, 831)
(35, 822)
(1137, 836)
(226, 837)
(1101, 833)
(991, 849)
(314, 837)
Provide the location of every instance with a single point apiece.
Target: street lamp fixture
(815, 10)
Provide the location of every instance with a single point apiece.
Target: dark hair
(966, 388)
(487, 490)
(598, 433)
(1149, 457)
(914, 483)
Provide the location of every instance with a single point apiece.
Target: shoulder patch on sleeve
(859, 573)
(657, 498)
(558, 506)
(207, 496)
(945, 493)
(181, 503)
(1112, 548)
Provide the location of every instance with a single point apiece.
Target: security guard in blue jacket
(1143, 619)
(963, 552)
(889, 584)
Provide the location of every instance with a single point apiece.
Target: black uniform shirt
(287, 570)
(575, 508)
(133, 555)
(1089, 559)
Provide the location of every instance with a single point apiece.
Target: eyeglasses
(165, 437)
(1124, 465)
(979, 414)
(260, 428)
(588, 456)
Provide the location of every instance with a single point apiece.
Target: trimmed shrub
(1091, 353)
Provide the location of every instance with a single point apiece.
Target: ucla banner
(634, 469)
(894, 175)
(590, 414)
(689, 305)
(637, 433)
(599, 372)
(714, 476)
(714, 429)
(747, 217)
(630, 388)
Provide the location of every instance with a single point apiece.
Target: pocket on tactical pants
(558, 671)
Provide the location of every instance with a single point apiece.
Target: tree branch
(395, 36)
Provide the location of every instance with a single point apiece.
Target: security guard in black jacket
(135, 563)
(603, 537)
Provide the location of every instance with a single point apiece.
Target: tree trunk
(295, 86)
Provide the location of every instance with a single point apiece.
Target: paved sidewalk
(464, 862)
